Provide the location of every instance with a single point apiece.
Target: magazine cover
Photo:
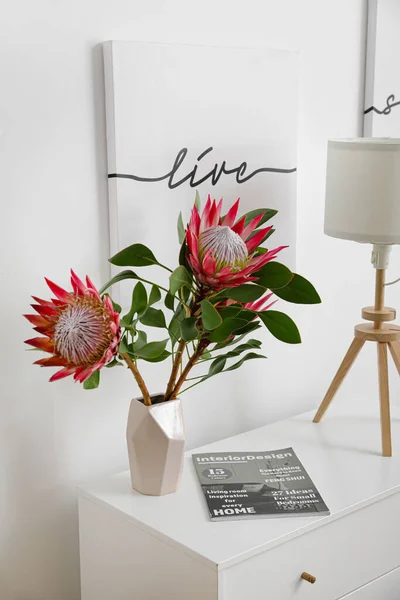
(242, 485)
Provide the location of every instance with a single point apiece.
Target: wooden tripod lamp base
(386, 336)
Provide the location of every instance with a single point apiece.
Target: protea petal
(248, 230)
(45, 311)
(192, 242)
(230, 217)
(259, 304)
(52, 303)
(90, 286)
(41, 343)
(62, 373)
(259, 261)
(47, 331)
(57, 290)
(239, 226)
(82, 330)
(219, 208)
(51, 361)
(194, 224)
(84, 373)
(37, 320)
(213, 218)
(205, 215)
(225, 271)
(78, 285)
(209, 263)
(41, 301)
(257, 239)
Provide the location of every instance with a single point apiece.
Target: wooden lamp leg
(344, 368)
(384, 399)
(394, 348)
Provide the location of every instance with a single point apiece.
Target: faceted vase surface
(155, 438)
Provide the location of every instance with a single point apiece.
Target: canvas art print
(382, 90)
(180, 119)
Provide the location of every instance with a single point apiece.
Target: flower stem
(139, 379)
(175, 369)
(190, 364)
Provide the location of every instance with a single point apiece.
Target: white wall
(54, 200)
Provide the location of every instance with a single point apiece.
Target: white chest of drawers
(136, 547)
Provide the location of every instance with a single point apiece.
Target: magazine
(242, 485)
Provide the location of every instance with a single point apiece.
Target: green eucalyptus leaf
(216, 366)
(183, 253)
(250, 345)
(274, 275)
(181, 229)
(127, 274)
(116, 306)
(137, 255)
(252, 326)
(155, 295)
(226, 329)
(299, 291)
(169, 301)
(139, 298)
(140, 341)
(160, 358)
(138, 304)
(174, 328)
(249, 356)
(92, 382)
(178, 279)
(247, 315)
(114, 363)
(151, 350)
(235, 340)
(229, 312)
(185, 294)
(209, 315)
(281, 326)
(153, 317)
(245, 293)
(268, 214)
(124, 347)
(189, 330)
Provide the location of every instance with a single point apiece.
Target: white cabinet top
(341, 454)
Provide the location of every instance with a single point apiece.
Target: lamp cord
(392, 282)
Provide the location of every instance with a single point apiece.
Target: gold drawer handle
(308, 577)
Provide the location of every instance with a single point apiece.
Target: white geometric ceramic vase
(155, 437)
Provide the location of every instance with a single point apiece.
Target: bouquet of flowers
(221, 291)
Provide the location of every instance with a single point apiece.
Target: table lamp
(362, 203)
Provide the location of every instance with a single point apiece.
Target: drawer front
(343, 555)
(384, 588)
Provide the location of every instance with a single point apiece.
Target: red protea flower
(222, 252)
(81, 330)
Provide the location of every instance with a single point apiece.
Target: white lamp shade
(362, 201)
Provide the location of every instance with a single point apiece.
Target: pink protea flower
(81, 330)
(222, 252)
